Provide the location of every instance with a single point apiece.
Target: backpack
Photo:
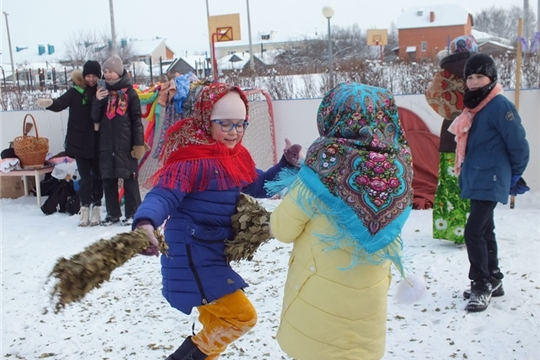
(58, 199)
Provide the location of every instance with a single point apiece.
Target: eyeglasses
(228, 126)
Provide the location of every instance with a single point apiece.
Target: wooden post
(518, 84)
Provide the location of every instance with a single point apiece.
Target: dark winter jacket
(81, 139)
(195, 272)
(496, 150)
(119, 134)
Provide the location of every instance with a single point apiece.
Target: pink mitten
(293, 153)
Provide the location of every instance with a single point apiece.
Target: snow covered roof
(445, 15)
(30, 55)
(482, 37)
(145, 47)
(236, 61)
(265, 37)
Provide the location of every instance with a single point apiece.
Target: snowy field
(127, 318)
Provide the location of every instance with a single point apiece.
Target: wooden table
(31, 172)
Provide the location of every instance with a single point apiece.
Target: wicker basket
(31, 150)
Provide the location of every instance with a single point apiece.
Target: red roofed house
(424, 31)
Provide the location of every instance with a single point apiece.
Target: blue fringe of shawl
(350, 233)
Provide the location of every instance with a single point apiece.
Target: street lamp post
(113, 30)
(251, 60)
(328, 12)
(10, 50)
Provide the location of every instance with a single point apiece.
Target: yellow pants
(224, 320)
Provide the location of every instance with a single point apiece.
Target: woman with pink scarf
(491, 155)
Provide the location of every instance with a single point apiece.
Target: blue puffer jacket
(496, 150)
(195, 272)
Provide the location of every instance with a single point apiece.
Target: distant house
(492, 45)
(263, 42)
(425, 31)
(155, 49)
(28, 60)
(239, 62)
(198, 65)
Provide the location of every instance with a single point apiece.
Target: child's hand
(153, 249)
(293, 153)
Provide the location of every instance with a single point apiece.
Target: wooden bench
(30, 172)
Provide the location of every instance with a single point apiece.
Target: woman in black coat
(81, 138)
(117, 110)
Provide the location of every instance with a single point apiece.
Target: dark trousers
(481, 242)
(90, 184)
(132, 197)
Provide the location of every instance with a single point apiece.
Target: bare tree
(503, 22)
(89, 45)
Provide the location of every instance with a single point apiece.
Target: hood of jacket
(78, 78)
(455, 63)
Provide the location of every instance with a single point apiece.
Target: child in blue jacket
(204, 169)
(492, 153)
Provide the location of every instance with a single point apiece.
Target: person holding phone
(117, 110)
(82, 139)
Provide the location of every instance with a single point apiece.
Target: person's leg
(97, 183)
(477, 231)
(477, 227)
(84, 166)
(110, 187)
(224, 321)
(132, 196)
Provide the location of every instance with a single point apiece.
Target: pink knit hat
(230, 107)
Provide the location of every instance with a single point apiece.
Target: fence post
(55, 88)
(134, 74)
(151, 74)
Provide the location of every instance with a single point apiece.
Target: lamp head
(328, 12)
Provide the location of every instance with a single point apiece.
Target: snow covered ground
(127, 318)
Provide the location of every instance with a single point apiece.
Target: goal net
(259, 137)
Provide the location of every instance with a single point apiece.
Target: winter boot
(496, 286)
(110, 221)
(187, 351)
(95, 218)
(128, 221)
(85, 216)
(480, 296)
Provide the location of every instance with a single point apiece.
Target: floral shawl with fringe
(358, 173)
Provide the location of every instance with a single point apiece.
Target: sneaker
(85, 215)
(497, 289)
(95, 217)
(480, 296)
(109, 221)
(127, 221)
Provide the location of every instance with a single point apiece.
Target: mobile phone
(101, 84)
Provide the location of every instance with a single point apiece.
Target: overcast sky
(183, 23)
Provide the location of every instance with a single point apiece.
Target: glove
(514, 181)
(519, 188)
(44, 103)
(153, 249)
(293, 153)
(139, 151)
